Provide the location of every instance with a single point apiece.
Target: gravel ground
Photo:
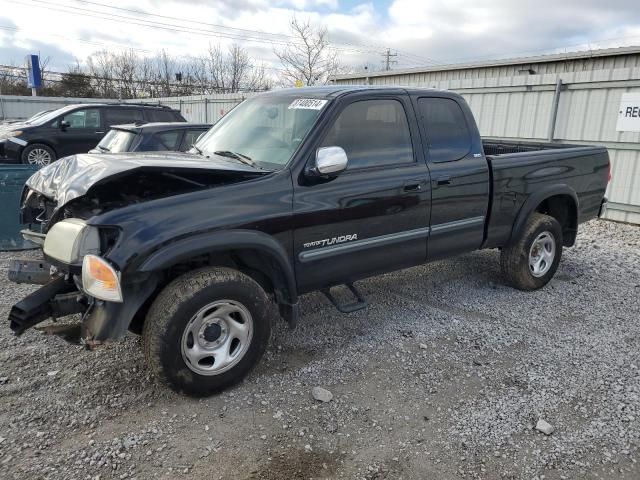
(446, 375)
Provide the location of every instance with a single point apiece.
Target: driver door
(84, 131)
(372, 217)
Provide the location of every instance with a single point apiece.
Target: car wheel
(38, 154)
(206, 330)
(530, 261)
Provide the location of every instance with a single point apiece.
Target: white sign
(307, 103)
(629, 113)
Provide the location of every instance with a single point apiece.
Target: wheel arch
(558, 201)
(30, 143)
(262, 257)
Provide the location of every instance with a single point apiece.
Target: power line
(166, 26)
(90, 42)
(261, 32)
(250, 35)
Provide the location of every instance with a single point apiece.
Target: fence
(202, 108)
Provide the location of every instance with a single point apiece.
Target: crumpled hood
(72, 177)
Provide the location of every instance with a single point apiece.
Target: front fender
(206, 243)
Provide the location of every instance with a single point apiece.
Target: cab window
(372, 133)
(448, 135)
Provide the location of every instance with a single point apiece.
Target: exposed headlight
(70, 240)
(14, 133)
(100, 280)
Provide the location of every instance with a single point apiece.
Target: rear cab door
(372, 217)
(460, 189)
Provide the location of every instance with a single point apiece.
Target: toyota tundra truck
(291, 192)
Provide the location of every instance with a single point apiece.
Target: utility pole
(387, 59)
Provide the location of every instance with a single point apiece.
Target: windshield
(34, 117)
(265, 130)
(52, 115)
(116, 141)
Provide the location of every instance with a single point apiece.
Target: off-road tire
(24, 156)
(514, 258)
(175, 306)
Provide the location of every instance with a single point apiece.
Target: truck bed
(496, 147)
(522, 171)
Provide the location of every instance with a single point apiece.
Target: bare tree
(308, 59)
(101, 69)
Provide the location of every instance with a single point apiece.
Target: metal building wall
(628, 57)
(520, 108)
(18, 107)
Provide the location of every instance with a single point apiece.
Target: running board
(359, 304)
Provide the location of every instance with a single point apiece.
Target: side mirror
(330, 161)
(64, 124)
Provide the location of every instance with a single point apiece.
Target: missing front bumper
(25, 270)
(56, 299)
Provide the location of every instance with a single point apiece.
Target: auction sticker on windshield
(307, 104)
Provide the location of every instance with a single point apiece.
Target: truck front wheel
(530, 260)
(206, 330)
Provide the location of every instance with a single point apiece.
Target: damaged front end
(77, 280)
(63, 204)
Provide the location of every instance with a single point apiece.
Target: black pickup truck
(293, 191)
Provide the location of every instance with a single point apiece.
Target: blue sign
(34, 76)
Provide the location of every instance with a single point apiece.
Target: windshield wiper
(105, 149)
(240, 157)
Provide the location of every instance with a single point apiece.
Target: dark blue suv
(73, 129)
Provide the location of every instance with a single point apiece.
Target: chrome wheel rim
(217, 337)
(39, 156)
(541, 254)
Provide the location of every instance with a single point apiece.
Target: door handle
(100, 132)
(412, 186)
(445, 180)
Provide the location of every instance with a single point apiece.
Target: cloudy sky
(422, 32)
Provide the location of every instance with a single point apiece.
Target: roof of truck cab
(332, 91)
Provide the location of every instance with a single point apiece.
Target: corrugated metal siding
(553, 67)
(18, 107)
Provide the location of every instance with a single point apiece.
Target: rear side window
(190, 137)
(161, 142)
(448, 135)
(85, 118)
(372, 133)
(116, 116)
(116, 141)
(163, 116)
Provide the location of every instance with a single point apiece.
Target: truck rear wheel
(531, 260)
(206, 330)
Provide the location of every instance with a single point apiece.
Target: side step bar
(359, 304)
